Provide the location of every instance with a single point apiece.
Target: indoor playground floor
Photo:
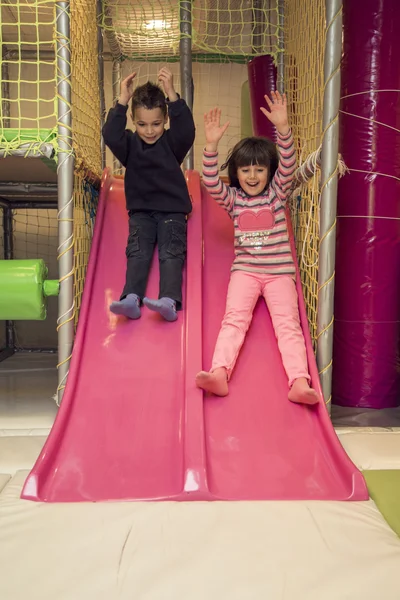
(196, 550)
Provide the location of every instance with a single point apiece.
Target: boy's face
(149, 123)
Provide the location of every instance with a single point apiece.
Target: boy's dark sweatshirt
(154, 180)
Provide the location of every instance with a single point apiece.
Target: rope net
(28, 117)
(28, 76)
(149, 29)
(86, 112)
(304, 81)
(145, 35)
(85, 205)
(86, 134)
(225, 35)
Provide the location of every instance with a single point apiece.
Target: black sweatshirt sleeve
(182, 130)
(115, 134)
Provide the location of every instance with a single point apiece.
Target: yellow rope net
(28, 113)
(86, 130)
(304, 80)
(85, 204)
(225, 35)
(144, 34)
(86, 117)
(140, 29)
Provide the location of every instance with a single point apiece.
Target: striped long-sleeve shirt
(261, 236)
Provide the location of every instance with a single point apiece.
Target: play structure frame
(65, 169)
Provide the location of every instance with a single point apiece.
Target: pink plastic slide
(132, 424)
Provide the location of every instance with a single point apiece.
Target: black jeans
(146, 229)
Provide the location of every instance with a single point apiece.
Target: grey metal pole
(8, 233)
(8, 255)
(10, 188)
(5, 91)
(329, 177)
(45, 55)
(258, 26)
(100, 47)
(280, 66)
(116, 88)
(36, 204)
(65, 176)
(185, 48)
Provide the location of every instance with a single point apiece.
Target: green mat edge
(384, 489)
(26, 136)
(12, 135)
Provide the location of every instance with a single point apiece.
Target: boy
(157, 198)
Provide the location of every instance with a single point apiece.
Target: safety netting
(28, 117)
(304, 33)
(225, 35)
(144, 36)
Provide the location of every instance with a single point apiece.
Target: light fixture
(157, 24)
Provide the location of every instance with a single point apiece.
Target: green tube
(23, 290)
(51, 287)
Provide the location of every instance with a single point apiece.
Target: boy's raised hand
(213, 128)
(277, 112)
(126, 89)
(167, 80)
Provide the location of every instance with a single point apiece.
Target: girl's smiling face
(253, 179)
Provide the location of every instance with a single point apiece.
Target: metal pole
(116, 88)
(329, 177)
(36, 204)
(5, 91)
(99, 11)
(65, 176)
(8, 233)
(185, 48)
(42, 55)
(25, 189)
(258, 26)
(8, 255)
(280, 66)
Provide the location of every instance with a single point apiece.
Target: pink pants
(280, 295)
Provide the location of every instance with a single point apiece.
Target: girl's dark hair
(251, 151)
(149, 96)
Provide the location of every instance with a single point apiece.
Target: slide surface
(132, 424)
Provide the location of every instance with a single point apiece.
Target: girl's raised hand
(213, 128)
(277, 112)
(126, 89)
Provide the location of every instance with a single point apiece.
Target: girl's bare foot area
(301, 392)
(213, 383)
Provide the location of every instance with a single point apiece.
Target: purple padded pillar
(262, 80)
(367, 290)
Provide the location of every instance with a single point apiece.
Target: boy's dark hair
(251, 151)
(149, 96)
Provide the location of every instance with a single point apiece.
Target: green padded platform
(12, 138)
(384, 489)
(25, 136)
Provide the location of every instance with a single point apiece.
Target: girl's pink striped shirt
(261, 236)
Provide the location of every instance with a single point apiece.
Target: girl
(263, 265)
